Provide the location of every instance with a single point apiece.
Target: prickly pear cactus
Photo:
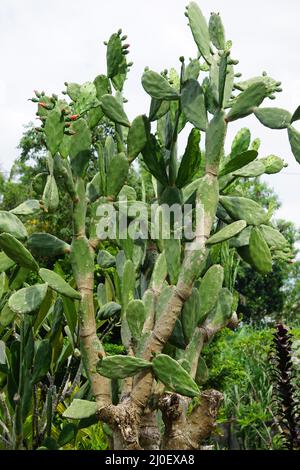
(159, 289)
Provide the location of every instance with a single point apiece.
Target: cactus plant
(165, 295)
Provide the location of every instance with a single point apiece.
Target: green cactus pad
(16, 251)
(7, 316)
(153, 158)
(202, 373)
(158, 109)
(296, 115)
(29, 207)
(3, 284)
(120, 367)
(28, 300)
(94, 188)
(242, 208)
(193, 105)
(101, 294)
(274, 118)
(210, 287)
(9, 223)
(240, 142)
(116, 174)
(114, 55)
(47, 245)
(214, 141)
(216, 31)
(174, 376)
(247, 101)
(73, 90)
(5, 262)
(238, 162)
(80, 152)
(273, 164)
(190, 314)
(199, 30)
(221, 313)
(172, 250)
(190, 162)
(81, 409)
(294, 138)
(57, 283)
(273, 237)
(242, 239)
(128, 283)
(137, 137)
(260, 252)
(192, 70)
(87, 98)
(105, 259)
(102, 85)
(252, 170)
(158, 87)
(62, 169)
(54, 130)
(113, 109)
(50, 195)
(94, 116)
(227, 232)
(159, 272)
(136, 316)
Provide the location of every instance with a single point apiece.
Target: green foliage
(239, 366)
(145, 306)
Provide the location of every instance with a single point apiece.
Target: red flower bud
(74, 117)
(42, 104)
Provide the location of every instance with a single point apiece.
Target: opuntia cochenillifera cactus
(168, 295)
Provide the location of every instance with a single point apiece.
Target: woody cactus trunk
(167, 295)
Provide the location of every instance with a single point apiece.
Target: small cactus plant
(166, 293)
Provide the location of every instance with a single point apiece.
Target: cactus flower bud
(74, 117)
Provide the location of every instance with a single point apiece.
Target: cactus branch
(82, 259)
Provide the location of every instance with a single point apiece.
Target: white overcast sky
(45, 43)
